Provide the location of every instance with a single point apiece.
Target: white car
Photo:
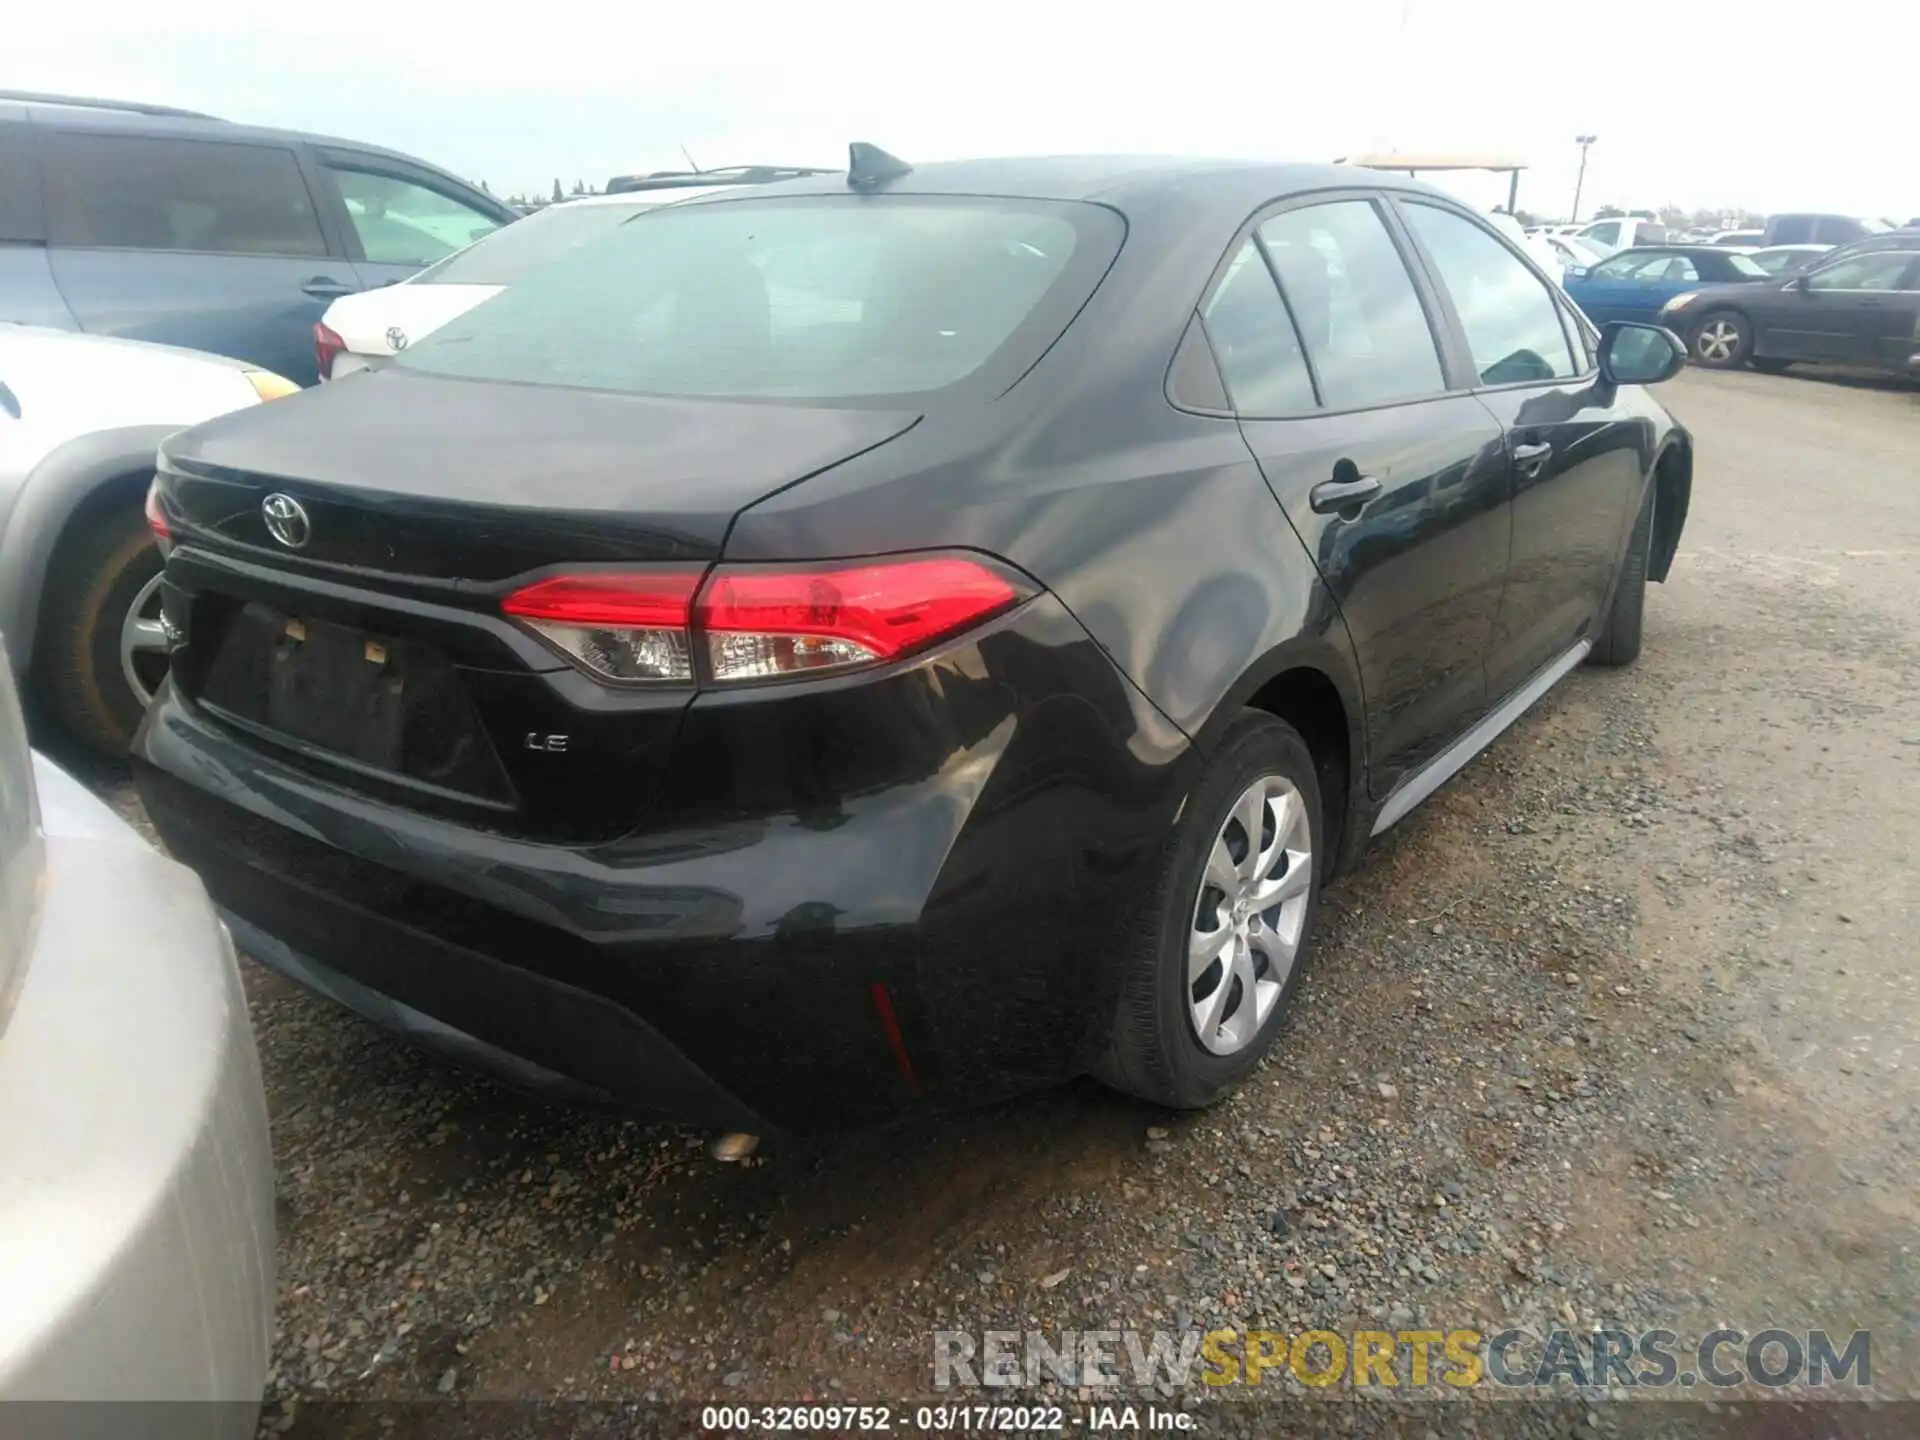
(1570, 250)
(1785, 259)
(1621, 232)
(1539, 246)
(80, 419)
(363, 330)
(136, 1178)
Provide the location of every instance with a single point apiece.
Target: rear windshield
(1746, 265)
(508, 253)
(832, 298)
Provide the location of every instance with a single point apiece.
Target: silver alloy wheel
(1248, 916)
(143, 643)
(1717, 340)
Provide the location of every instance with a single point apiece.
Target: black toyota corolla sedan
(897, 639)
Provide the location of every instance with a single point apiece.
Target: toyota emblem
(287, 521)
(396, 338)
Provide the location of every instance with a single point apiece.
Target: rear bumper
(852, 899)
(136, 1180)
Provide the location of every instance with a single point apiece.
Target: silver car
(136, 1183)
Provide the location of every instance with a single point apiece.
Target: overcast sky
(1699, 104)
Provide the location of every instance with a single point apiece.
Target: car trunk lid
(375, 649)
(385, 321)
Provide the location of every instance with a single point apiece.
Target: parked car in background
(705, 674)
(80, 418)
(1810, 229)
(1861, 309)
(1635, 284)
(1739, 239)
(1622, 232)
(150, 223)
(1783, 259)
(1905, 238)
(136, 1180)
(362, 331)
(1570, 251)
(1538, 246)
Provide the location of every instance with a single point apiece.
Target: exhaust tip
(733, 1146)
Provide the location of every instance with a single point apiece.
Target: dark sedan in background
(1860, 308)
(1635, 284)
(896, 639)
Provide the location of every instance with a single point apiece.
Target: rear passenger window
(1509, 315)
(1358, 314)
(1255, 342)
(134, 192)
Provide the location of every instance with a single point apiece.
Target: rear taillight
(618, 626)
(758, 623)
(156, 516)
(761, 622)
(326, 345)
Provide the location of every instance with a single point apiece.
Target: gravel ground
(1618, 1029)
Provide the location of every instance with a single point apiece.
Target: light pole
(1583, 141)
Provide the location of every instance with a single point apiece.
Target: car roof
(1125, 182)
(159, 121)
(1690, 251)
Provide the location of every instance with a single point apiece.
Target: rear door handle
(325, 287)
(1530, 460)
(1331, 495)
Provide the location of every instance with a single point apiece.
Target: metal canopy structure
(1414, 163)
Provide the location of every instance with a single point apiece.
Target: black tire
(1155, 1053)
(1619, 642)
(1768, 366)
(1704, 341)
(104, 560)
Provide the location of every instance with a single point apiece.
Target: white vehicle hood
(380, 322)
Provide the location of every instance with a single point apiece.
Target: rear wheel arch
(1314, 689)
(71, 483)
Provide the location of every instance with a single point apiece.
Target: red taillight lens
(326, 345)
(761, 622)
(157, 517)
(620, 627)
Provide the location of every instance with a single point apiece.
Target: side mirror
(1633, 354)
(1577, 272)
(1798, 282)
